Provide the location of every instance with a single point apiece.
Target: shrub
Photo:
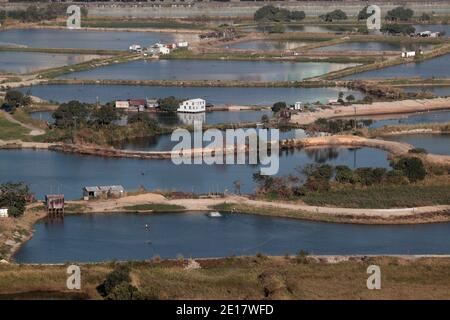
(418, 150)
(412, 167)
(334, 15)
(278, 106)
(345, 175)
(14, 197)
(399, 13)
(396, 177)
(117, 284)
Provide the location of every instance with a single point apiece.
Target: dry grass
(252, 278)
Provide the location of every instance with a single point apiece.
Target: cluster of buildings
(187, 106)
(136, 104)
(428, 34)
(103, 192)
(158, 48)
(3, 213)
(229, 32)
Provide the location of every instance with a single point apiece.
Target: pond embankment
(374, 109)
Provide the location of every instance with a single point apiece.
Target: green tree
(337, 14)
(145, 119)
(345, 175)
(350, 98)
(297, 15)
(398, 29)
(412, 167)
(116, 283)
(399, 14)
(14, 197)
(105, 115)
(363, 15)
(71, 114)
(275, 14)
(425, 17)
(17, 99)
(169, 104)
(2, 16)
(278, 106)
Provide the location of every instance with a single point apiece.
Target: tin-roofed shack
(104, 192)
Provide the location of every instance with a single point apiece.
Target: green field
(11, 131)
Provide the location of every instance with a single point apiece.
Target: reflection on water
(415, 118)
(214, 95)
(433, 143)
(25, 62)
(373, 46)
(209, 70)
(176, 119)
(267, 45)
(322, 155)
(436, 67)
(50, 172)
(299, 28)
(164, 143)
(190, 118)
(440, 91)
(88, 238)
(87, 39)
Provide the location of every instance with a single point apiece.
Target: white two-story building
(192, 106)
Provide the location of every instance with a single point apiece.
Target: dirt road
(374, 109)
(116, 205)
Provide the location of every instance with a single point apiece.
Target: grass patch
(248, 278)
(11, 131)
(281, 212)
(382, 196)
(155, 207)
(74, 208)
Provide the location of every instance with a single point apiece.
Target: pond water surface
(218, 96)
(88, 238)
(209, 70)
(87, 39)
(49, 172)
(25, 62)
(436, 67)
(433, 143)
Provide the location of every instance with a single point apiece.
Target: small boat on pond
(214, 214)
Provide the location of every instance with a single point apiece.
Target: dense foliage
(35, 14)
(324, 177)
(15, 99)
(398, 29)
(399, 14)
(363, 15)
(334, 15)
(278, 106)
(13, 196)
(169, 104)
(275, 14)
(82, 122)
(411, 167)
(117, 285)
(72, 114)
